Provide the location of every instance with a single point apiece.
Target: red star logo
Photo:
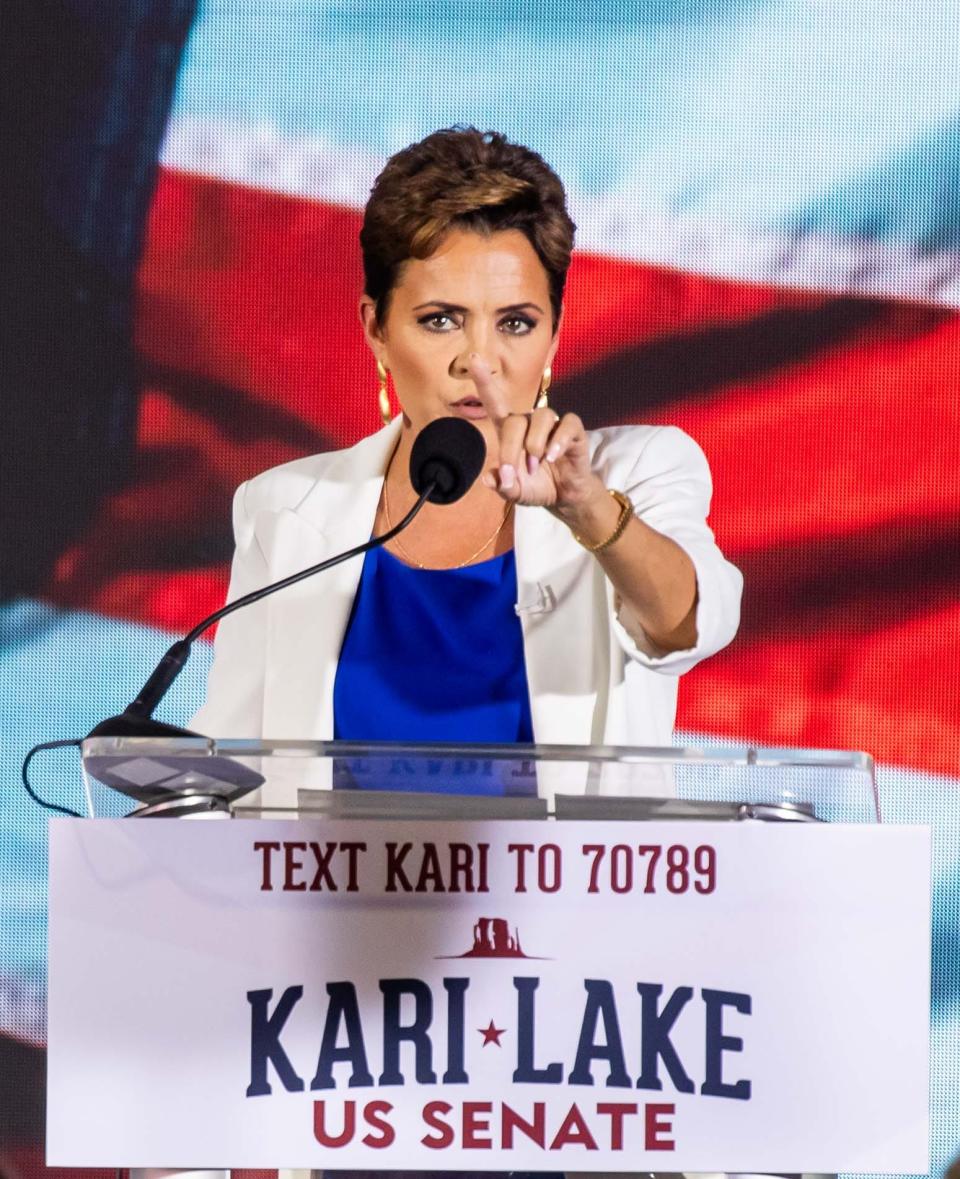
(491, 1035)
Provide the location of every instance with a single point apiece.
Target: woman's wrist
(593, 518)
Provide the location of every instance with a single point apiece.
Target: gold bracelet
(626, 511)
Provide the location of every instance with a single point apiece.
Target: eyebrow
(464, 310)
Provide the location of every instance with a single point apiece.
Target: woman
(561, 598)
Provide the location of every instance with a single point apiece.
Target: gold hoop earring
(383, 396)
(545, 381)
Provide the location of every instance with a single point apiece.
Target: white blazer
(592, 675)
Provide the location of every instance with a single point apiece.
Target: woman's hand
(544, 458)
(544, 461)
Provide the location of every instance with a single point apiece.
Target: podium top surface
(720, 755)
(297, 775)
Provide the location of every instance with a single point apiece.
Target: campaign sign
(501, 996)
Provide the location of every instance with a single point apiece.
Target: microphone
(446, 458)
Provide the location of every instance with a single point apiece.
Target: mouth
(469, 407)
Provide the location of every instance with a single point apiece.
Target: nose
(474, 340)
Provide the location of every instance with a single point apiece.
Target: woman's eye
(517, 325)
(439, 321)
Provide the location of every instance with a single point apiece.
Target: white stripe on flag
(313, 167)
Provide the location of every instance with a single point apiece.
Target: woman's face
(476, 294)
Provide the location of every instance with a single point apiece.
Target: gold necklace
(413, 560)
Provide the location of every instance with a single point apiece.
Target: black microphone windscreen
(448, 452)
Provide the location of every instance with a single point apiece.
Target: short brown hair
(462, 177)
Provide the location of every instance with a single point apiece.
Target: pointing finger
(488, 388)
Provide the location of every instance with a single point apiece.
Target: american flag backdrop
(768, 201)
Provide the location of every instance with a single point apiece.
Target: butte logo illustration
(492, 939)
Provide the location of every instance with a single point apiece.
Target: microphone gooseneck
(446, 458)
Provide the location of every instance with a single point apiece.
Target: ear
(371, 328)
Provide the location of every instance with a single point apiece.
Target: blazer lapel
(307, 621)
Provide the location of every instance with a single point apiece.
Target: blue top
(433, 655)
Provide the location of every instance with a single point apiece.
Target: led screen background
(769, 232)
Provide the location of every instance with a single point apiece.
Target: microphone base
(191, 806)
(154, 778)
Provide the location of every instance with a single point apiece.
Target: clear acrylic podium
(179, 777)
(206, 778)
